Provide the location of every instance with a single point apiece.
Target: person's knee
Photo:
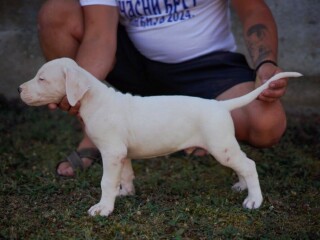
(267, 130)
(57, 14)
(50, 14)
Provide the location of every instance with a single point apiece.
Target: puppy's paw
(126, 190)
(252, 202)
(100, 209)
(239, 186)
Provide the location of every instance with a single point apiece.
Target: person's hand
(277, 88)
(65, 106)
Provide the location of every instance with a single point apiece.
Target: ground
(177, 197)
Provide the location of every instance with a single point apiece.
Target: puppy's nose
(19, 89)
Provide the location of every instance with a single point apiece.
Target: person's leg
(260, 124)
(60, 28)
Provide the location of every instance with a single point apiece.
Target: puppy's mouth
(30, 100)
(36, 101)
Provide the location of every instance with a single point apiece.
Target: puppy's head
(53, 81)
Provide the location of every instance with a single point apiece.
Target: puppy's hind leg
(229, 154)
(127, 176)
(241, 185)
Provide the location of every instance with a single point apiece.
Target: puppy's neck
(96, 99)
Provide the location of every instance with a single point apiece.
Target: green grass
(177, 197)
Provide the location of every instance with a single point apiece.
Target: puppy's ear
(76, 85)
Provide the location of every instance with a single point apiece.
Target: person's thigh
(52, 12)
(60, 28)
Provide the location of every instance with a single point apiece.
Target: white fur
(125, 127)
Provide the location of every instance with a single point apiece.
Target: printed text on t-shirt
(147, 13)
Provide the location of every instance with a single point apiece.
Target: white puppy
(125, 127)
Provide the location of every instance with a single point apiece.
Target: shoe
(75, 159)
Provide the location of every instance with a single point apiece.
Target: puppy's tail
(238, 102)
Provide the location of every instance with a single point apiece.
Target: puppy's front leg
(110, 184)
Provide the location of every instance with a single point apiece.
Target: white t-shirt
(173, 31)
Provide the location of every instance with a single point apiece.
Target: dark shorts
(206, 76)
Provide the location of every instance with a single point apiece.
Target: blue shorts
(206, 76)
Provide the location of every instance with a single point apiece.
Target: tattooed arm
(260, 34)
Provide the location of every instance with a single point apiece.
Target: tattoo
(259, 30)
(255, 37)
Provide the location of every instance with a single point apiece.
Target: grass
(177, 197)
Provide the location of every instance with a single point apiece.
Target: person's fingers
(274, 91)
(74, 110)
(281, 83)
(52, 106)
(271, 95)
(266, 99)
(64, 104)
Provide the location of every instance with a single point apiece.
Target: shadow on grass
(177, 197)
